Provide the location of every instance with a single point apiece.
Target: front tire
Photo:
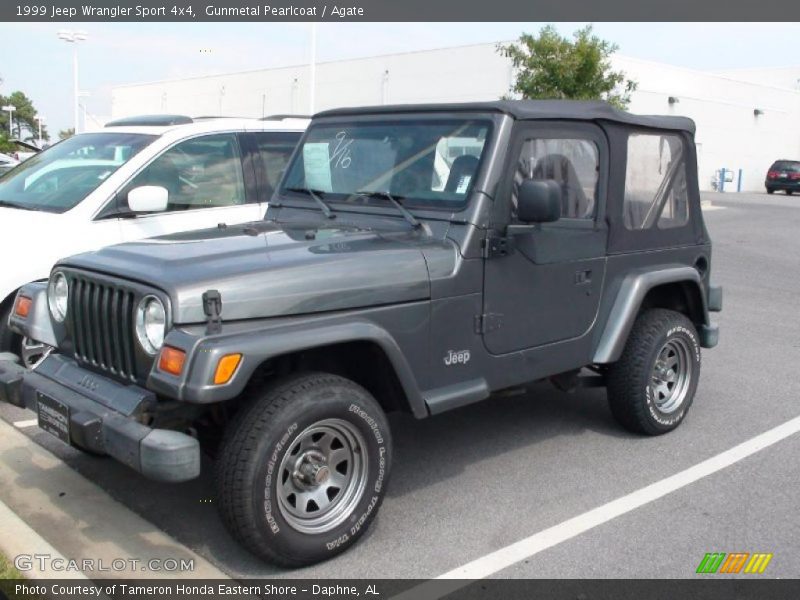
(303, 469)
(651, 387)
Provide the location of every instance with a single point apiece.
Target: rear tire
(303, 469)
(789, 192)
(651, 387)
(770, 191)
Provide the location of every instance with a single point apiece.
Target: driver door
(547, 288)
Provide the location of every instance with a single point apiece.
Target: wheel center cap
(311, 469)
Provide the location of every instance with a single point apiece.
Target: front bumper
(97, 414)
(783, 184)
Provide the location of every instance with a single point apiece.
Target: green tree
(5, 146)
(550, 65)
(25, 126)
(66, 133)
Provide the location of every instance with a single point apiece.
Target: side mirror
(539, 201)
(148, 198)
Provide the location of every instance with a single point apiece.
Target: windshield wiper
(395, 200)
(315, 194)
(8, 204)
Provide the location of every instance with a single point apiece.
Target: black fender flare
(259, 345)
(632, 292)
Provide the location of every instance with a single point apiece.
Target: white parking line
(490, 564)
(24, 424)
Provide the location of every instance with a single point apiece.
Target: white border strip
(503, 558)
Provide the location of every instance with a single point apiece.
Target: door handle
(583, 276)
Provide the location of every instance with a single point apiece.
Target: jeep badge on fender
(457, 358)
(416, 259)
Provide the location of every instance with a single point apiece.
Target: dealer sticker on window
(316, 161)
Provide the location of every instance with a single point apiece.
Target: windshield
(59, 178)
(422, 163)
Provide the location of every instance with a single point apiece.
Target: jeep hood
(266, 269)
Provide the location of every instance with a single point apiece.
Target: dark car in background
(783, 175)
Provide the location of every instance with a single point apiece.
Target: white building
(745, 119)
(787, 77)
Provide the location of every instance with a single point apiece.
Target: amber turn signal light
(226, 368)
(23, 306)
(171, 360)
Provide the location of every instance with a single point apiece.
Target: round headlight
(151, 324)
(58, 296)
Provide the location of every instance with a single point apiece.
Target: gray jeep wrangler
(416, 259)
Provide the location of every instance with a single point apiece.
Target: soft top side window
(573, 163)
(656, 190)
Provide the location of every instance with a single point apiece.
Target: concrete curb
(40, 493)
(17, 538)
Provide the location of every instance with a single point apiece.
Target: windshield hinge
(212, 307)
(497, 245)
(488, 322)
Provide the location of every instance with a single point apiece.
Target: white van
(137, 178)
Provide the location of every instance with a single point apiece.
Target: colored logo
(734, 562)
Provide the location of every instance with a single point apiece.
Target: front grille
(101, 318)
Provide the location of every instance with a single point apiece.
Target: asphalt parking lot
(475, 480)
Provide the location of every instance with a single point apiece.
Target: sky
(123, 53)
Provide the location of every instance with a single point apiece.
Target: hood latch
(212, 307)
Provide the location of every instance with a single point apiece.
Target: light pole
(10, 110)
(39, 120)
(73, 37)
(313, 79)
(83, 106)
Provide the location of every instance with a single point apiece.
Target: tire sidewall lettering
(372, 423)
(659, 417)
(273, 460)
(362, 413)
(378, 465)
(680, 329)
(664, 419)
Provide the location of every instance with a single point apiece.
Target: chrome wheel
(672, 375)
(33, 353)
(322, 476)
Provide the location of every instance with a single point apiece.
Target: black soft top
(583, 110)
